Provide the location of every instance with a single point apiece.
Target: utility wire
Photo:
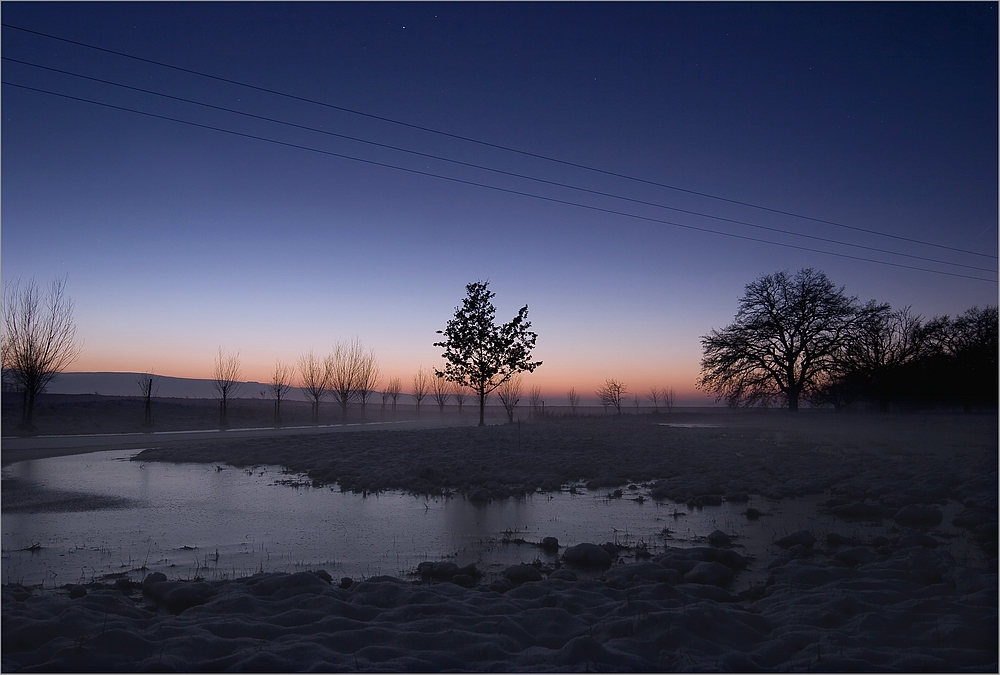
(491, 169)
(494, 145)
(487, 186)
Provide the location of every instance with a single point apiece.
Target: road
(16, 449)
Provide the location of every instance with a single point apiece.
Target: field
(897, 602)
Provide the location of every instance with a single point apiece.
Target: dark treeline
(799, 337)
(894, 357)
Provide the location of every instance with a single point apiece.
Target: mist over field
(642, 337)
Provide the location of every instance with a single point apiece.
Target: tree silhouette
(460, 395)
(669, 396)
(509, 393)
(878, 346)
(226, 378)
(39, 340)
(654, 395)
(441, 390)
(574, 399)
(315, 380)
(367, 378)
(787, 333)
(480, 354)
(535, 400)
(279, 386)
(421, 381)
(347, 366)
(393, 389)
(147, 385)
(611, 393)
(959, 363)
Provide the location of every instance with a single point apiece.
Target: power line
(487, 168)
(498, 146)
(484, 185)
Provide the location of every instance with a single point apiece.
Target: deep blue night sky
(178, 239)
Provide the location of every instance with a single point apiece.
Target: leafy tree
(39, 340)
(786, 336)
(478, 353)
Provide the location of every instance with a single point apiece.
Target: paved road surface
(13, 449)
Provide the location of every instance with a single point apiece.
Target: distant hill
(124, 384)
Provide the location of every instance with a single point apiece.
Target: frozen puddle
(98, 514)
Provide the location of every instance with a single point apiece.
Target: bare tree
(227, 380)
(279, 386)
(393, 389)
(510, 395)
(535, 400)
(881, 343)
(39, 339)
(611, 393)
(669, 397)
(148, 383)
(441, 391)
(636, 402)
(460, 393)
(654, 395)
(345, 365)
(315, 380)
(421, 382)
(368, 375)
(574, 399)
(786, 336)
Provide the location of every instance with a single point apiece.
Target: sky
(582, 158)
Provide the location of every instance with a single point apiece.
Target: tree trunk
(482, 409)
(793, 400)
(27, 410)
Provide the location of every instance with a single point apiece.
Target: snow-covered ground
(827, 601)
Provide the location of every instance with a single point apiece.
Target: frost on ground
(922, 457)
(911, 611)
(835, 604)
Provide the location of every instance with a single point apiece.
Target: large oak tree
(786, 335)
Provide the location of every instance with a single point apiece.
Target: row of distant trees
(795, 338)
(614, 393)
(801, 338)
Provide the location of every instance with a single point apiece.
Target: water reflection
(189, 520)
